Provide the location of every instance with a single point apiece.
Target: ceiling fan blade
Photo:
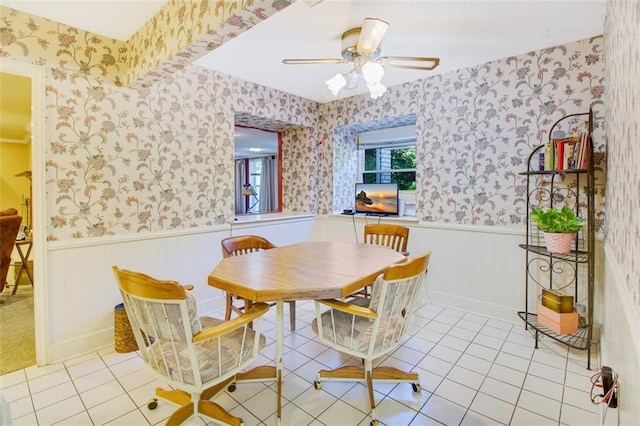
(371, 35)
(313, 61)
(411, 62)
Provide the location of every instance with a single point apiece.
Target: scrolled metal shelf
(554, 172)
(578, 340)
(573, 256)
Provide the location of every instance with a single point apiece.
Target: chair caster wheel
(416, 387)
(232, 387)
(374, 423)
(317, 384)
(152, 404)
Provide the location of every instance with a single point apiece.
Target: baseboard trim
(79, 346)
(479, 307)
(104, 339)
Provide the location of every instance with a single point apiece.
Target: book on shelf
(574, 163)
(583, 158)
(549, 156)
(565, 150)
(569, 153)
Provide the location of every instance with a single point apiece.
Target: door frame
(40, 288)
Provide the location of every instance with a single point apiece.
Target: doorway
(33, 213)
(258, 170)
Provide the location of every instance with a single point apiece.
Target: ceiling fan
(361, 46)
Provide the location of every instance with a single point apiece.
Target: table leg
(279, 356)
(23, 267)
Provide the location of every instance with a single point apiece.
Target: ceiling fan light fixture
(336, 83)
(373, 72)
(371, 35)
(349, 43)
(376, 89)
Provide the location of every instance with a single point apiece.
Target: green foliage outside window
(400, 158)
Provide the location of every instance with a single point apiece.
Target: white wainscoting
(81, 288)
(475, 268)
(621, 343)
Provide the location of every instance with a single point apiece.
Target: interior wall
(128, 165)
(492, 279)
(123, 161)
(186, 255)
(621, 339)
(475, 128)
(14, 158)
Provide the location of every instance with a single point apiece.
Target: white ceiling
(462, 33)
(118, 19)
(248, 140)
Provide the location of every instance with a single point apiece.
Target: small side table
(25, 258)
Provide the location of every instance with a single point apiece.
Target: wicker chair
(197, 356)
(236, 246)
(372, 329)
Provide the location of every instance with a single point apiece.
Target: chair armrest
(188, 287)
(257, 310)
(349, 308)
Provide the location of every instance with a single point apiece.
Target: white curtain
(269, 185)
(241, 179)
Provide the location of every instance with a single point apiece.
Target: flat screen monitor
(377, 198)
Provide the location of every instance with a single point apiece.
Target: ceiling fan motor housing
(350, 44)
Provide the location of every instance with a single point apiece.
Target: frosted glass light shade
(372, 32)
(336, 83)
(373, 72)
(376, 90)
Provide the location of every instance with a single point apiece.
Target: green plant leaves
(557, 221)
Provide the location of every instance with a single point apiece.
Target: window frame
(390, 138)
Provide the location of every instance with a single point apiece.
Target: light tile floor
(474, 370)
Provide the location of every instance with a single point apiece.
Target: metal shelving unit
(571, 272)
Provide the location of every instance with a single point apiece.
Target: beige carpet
(17, 334)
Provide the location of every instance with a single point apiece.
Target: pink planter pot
(558, 243)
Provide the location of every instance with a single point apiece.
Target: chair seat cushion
(354, 332)
(215, 357)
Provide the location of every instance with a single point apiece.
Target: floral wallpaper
(182, 31)
(622, 30)
(476, 127)
(300, 166)
(120, 160)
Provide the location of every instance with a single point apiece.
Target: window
(388, 156)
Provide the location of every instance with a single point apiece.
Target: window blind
(382, 138)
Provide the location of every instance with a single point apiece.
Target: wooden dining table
(303, 271)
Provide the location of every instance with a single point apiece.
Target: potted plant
(559, 227)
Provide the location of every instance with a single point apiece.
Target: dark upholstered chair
(9, 227)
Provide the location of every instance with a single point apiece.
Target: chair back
(9, 228)
(393, 298)
(385, 234)
(236, 246)
(164, 319)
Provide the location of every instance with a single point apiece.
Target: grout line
(430, 323)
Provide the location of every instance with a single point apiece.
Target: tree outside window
(391, 165)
